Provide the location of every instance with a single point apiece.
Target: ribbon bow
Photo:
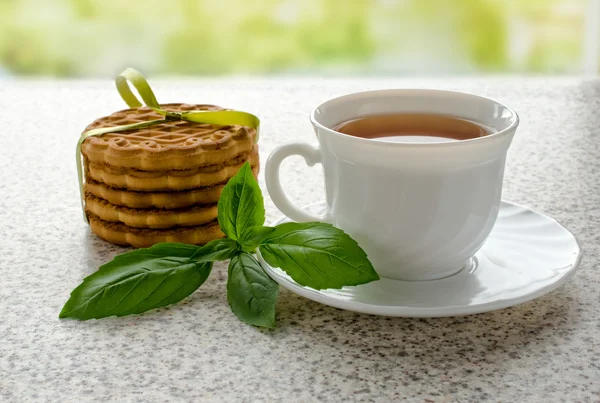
(222, 118)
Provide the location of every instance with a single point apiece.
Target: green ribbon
(221, 118)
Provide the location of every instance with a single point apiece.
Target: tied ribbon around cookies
(222, 118)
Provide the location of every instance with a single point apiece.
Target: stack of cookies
(161, 183)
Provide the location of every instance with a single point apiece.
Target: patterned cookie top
(170, 145)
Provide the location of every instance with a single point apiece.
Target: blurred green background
(264, 37)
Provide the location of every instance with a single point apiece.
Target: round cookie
(164, 200)
(150, 218)
(145, 200)
(174, 144)
(121, 234)
(180, 179)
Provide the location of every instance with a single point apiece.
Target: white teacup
(419, 210)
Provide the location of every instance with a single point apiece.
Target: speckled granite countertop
(544, 350)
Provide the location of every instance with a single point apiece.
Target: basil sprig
(315, 255)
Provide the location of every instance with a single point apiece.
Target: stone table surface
(544, 350)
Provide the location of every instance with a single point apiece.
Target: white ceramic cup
(419, 210)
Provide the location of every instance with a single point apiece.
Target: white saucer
(527, 255)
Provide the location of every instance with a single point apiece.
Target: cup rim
(500, 133)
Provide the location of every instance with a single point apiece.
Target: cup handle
(311, 155)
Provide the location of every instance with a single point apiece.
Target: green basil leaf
(251, 293)
(241, 204)
(253, 236)
(216, 250)
(317, 255)
(138, 281)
